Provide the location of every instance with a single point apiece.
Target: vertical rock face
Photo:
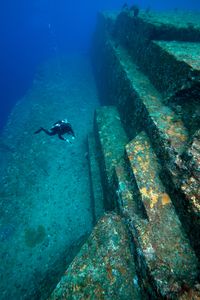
(104, 267)
(191, 185)
(97, 199)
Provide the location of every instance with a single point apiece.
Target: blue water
(31, 31)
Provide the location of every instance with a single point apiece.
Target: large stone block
(174, 65)
(104, 268)
(135, 31)
(165, 248)
(175, 71)
(111, 139)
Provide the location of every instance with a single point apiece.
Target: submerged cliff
(144, 158)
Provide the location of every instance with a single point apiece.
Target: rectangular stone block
(111, 140)
(162, 243)
(104, 267)
(174, 66)
(169, 26)
(175, 72)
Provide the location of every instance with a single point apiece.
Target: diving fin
(38, 131)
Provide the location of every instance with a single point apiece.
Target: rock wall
(148, 68)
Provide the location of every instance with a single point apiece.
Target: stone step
(167, 132)
(162, 246)
(168, 53)
(104, 267)
(95, 180)
(174, 65)
(111, 140)
(162, 124)
(142, 107)
(130, 207)
(175, 72)
(170, 26)
(177, 33)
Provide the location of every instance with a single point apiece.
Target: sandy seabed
(45, 203)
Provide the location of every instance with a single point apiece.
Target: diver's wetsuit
(59, 128)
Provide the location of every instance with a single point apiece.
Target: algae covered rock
(191, 186)
(148, 67)
(104, 267)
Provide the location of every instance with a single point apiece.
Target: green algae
(34, 236)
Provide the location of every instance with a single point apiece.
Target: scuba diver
(59, 128)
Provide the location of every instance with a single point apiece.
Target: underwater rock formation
(149, 65)
(147, 139)
(104, 267)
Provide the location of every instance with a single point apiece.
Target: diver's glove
(68, 141)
